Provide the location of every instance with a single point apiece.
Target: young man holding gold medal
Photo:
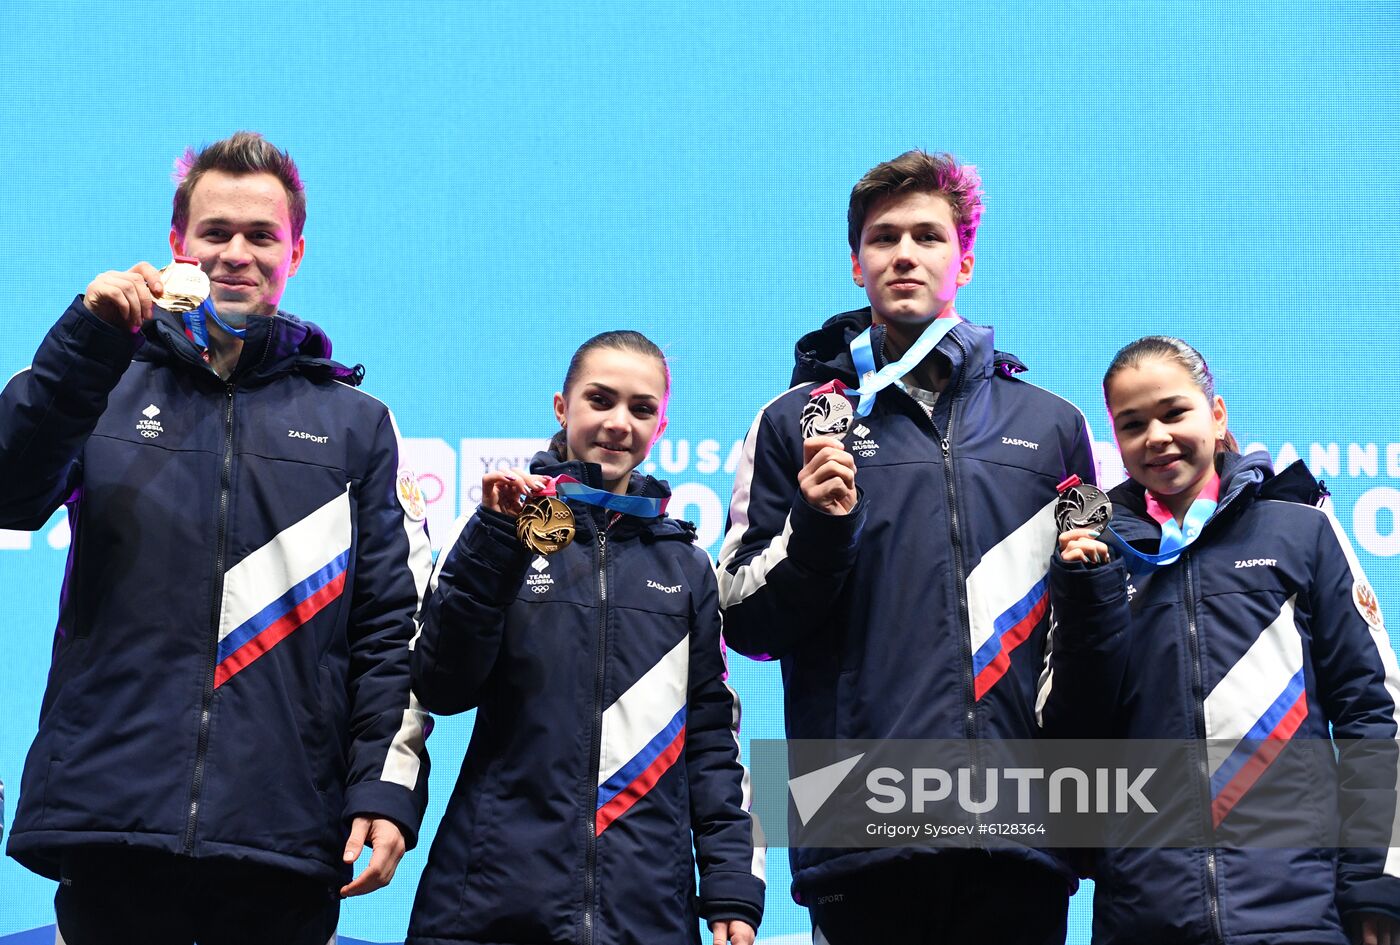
(889, 537)
(228, 718)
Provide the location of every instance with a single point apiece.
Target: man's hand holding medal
(125, 299)
(828, 475)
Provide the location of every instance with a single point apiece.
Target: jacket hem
(41, 851)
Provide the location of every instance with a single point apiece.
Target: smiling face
(1167, 429)
(240, 229)
(909, 262)
(613, 412)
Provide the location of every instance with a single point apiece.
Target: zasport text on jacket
(1264, 632)
(230, 669)
(604, 740)
(922, 612)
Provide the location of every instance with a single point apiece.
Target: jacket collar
(825, 354)
(547, 463)
(275, 345)
(1241, 478)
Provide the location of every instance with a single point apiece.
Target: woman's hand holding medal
(1082, 512)
(1082, 544)
(543, 523)
(828, 475)
(506, 491)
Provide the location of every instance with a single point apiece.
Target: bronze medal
(1083, 506)
(827, 414)
(545, 525)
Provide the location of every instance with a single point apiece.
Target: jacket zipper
(945, 444)
(1198, 687)
(590, 879)
(207, 703)
(964, 621)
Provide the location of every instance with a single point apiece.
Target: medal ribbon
(196, 320)
(873, 381)
(198, 327)
(1175, 538)
(570, 489)
(832, 387)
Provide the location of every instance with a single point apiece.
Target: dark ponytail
(558, 444)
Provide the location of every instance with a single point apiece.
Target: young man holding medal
(228, 719)
(889, 538)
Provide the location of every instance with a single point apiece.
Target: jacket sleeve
(478, 578)
(1088, 649)
(1080, 459)
(388, 760)
(1084, 650)
(731, 869)
(1359, 689)
(783, 562)
(48, 410)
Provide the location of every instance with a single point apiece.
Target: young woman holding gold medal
(583, 625)
(1214, 604)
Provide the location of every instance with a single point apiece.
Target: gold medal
(545, 525)
(186, 286)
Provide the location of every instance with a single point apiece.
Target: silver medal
(826, 415)
(1083, 506)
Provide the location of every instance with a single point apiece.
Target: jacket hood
(824, 354)
(275, 345)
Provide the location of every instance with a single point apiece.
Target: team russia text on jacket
(231, 665)
(922, 613)
(604, 744)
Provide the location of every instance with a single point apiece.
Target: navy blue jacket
(921, 613)
(231, 665)
(604, 737)
(1256, 632)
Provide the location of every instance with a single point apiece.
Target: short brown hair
(920, 172)
(244, 152)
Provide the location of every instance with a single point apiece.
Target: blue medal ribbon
(873, 381)
(198, 327)
(570, 489)
(1175, 538)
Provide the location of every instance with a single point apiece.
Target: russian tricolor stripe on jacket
(1007, 595)
(1260, 700)
(279, 587)
(643, 734)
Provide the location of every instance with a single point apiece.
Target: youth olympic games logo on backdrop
(701, 473)
(450, 478)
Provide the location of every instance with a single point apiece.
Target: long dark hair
(1167, 348)
(623, 340)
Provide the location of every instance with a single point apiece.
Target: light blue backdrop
(491, 183)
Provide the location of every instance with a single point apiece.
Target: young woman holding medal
(583, 625)
(1222, 608)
